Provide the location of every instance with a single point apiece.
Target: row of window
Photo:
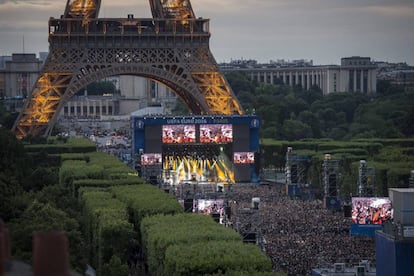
(84, 109)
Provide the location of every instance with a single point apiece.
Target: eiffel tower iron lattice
(171, 48)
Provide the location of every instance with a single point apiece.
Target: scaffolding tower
(296, 168)
(411, 181)
(248, 222)
(366, 180)
(152, 173)
(330, 176)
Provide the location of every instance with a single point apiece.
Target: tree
(43, 217)
(7, 119)
(307, 117)
(327, 119)
(42, 177)
(295, 105)
(115, 267)
(101, 87)
(180, 108)
(385, 88)
(13, 158)
(407, 124)
(10, 188)
(269, 132)
(239, 81)
(295, 130)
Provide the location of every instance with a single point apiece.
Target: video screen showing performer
(209, 206)
(216, 133)
(243, 158)
(371, 210)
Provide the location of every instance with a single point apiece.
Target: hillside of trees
(108, 214)
(44, 189)
(291, 113)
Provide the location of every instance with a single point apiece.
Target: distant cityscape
(19, 72)
(399, 73)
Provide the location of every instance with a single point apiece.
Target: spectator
(301, 235)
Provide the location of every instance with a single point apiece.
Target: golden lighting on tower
(84, 9)
(42, 104)
(217, 93)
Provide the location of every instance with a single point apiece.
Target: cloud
(27, 2)
(399, 10)
(323, 30)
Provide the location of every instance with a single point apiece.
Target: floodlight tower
(288, 166)
(411, 181)
(331, 176)
(362, 179)
(366, 180)
(296, 168)
(249, 222)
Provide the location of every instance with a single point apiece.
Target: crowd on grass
(299, 235)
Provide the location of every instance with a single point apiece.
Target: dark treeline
(292, 113)
(31, 201)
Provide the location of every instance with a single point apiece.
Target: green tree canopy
(295, 113)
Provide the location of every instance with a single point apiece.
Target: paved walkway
(18, 268)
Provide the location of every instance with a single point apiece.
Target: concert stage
(217, 150)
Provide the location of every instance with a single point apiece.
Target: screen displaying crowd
(371, 210)
(178, 134)
(151, 159)
(209, 206)
(216, 133)
(243, 158)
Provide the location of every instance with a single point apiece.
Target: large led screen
(178, 134)
(151, 159)
(371, 210)
(209, 206)
(216, 133)
(243, 158)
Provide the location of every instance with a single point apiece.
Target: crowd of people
(299, 235)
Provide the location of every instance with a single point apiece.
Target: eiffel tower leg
(42, 104)
(212, 87)
(217, 93)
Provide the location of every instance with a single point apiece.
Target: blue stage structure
(394, 243)
(202, 148)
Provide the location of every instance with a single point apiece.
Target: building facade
(404, 78)
(135, 93)
(88, 107)
(18, 73)
(138, 93)
(355, 74)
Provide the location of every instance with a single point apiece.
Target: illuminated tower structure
(366, 180)
(171, 48)
(330, 175)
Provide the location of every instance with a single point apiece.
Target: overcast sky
(318, 30)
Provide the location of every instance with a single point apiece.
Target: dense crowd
(299, 235)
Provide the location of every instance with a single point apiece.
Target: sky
(319, 30)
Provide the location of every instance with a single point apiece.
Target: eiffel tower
(171, 48)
